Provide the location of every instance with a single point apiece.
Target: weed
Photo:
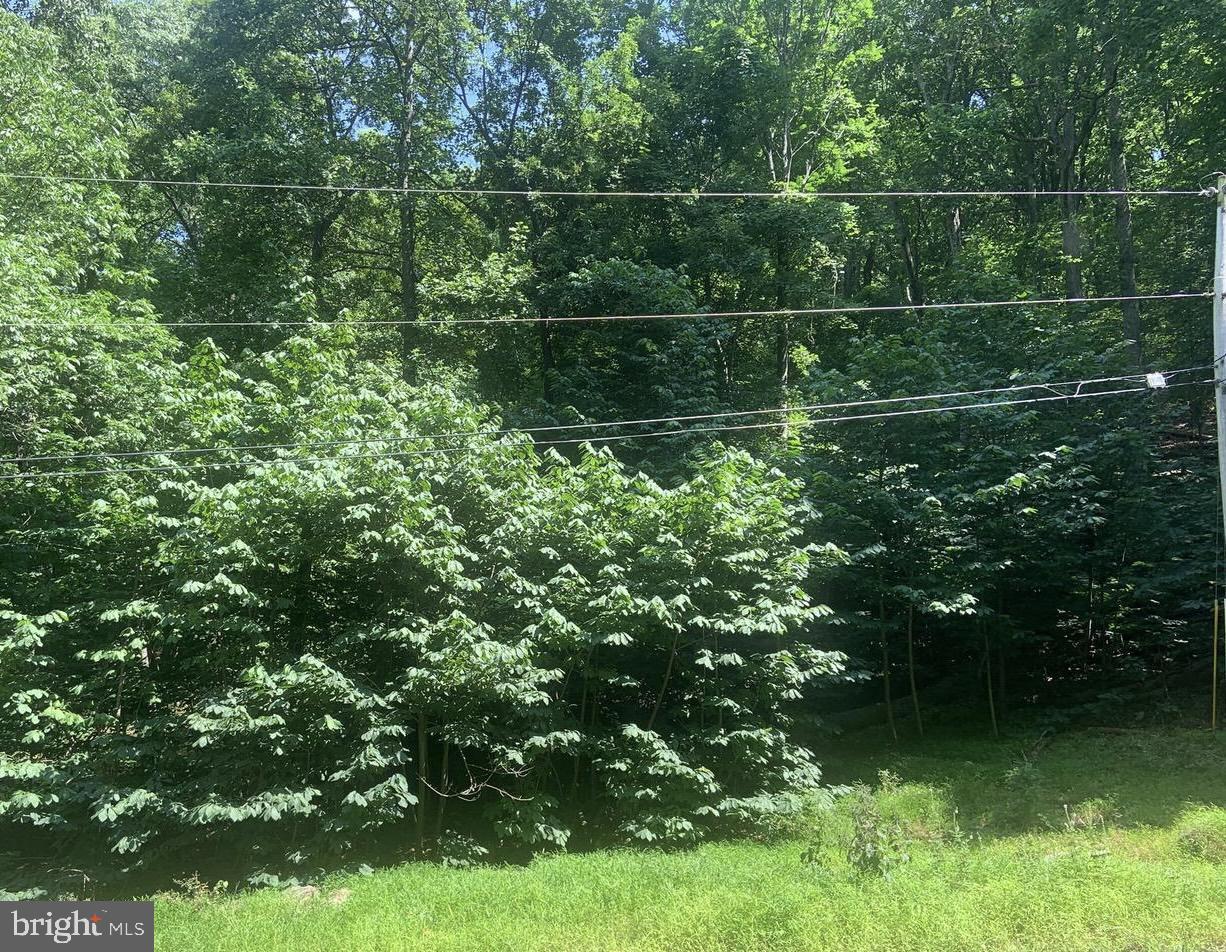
(459, 851)
(878, 845)
(924, 811)
(1033, 889)
(1095, 813)
(1201, 832)
(193, 887)
(871, 841)
(1023, 775)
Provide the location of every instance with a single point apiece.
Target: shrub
(1201, 832)
(287, 666)
(878, 844)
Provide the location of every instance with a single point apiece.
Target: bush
(878, 845)
(872, 830)
(290, 666)
(1201, 832)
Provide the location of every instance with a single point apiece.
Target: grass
(996, 861)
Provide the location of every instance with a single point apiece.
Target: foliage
(288, 583)
(877, 846)
(873, 830)
(323, 652)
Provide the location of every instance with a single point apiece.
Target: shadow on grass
(1024, 781)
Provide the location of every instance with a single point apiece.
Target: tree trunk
(1123, 207)
(407, 204)
(868, 272)
(668, 670)
(919, 721)
(547, 363)
(319, 231)
(783, 331)
(1090, 616)
(954, 228)
(987, 662)
(1002, 653)
(1070, 238)
(782, 346)
(443, 781)
(544, 328)
(1002, 698)
(574, 786)
(909, 254)
(885, 668)
(423, 752)
(1069, 144)
(299, 611)
(851, 272)
(408, 280)
(1032, 185)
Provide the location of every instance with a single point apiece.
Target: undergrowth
(939, 852)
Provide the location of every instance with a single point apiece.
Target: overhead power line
(295, 461)
(593, 193)
(773, 312)
(598, 425)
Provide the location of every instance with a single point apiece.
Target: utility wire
(773, 312)
(808, 408)
(596, 193)
(294, 461)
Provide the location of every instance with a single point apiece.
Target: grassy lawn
(996, 862)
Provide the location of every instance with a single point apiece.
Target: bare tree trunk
(1090, 616)
(725, 367)
(299, 610)
(782, 346)
(1032, 186)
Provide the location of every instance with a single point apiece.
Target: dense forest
(310, 555)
